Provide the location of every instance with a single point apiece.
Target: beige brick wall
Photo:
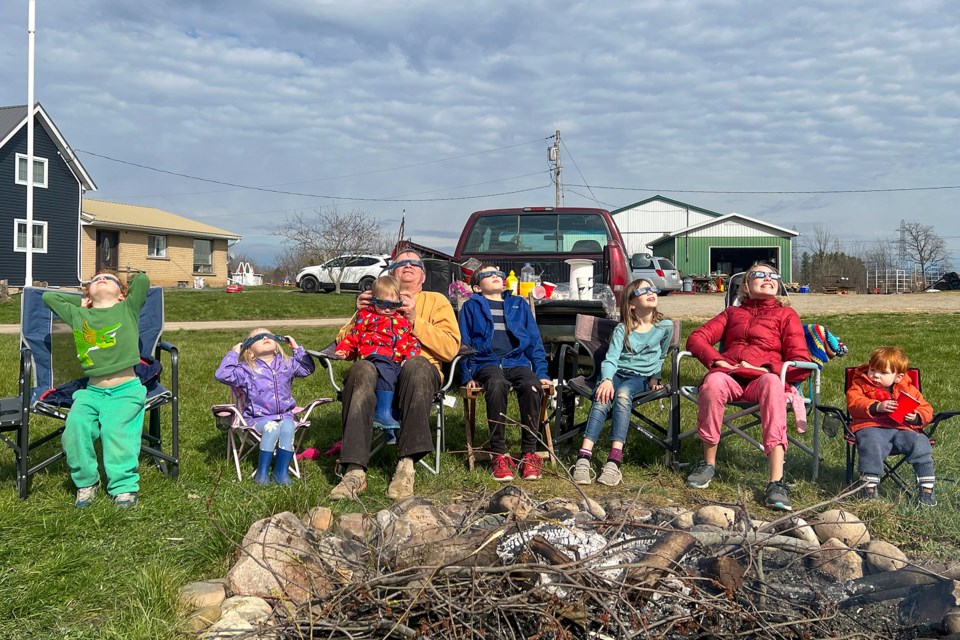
(165, 272)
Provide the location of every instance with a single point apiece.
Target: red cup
(905, 404)
(548, 288)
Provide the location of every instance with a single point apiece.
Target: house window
(20, 236)
(156, 246)
(39, 171)
(202, 256)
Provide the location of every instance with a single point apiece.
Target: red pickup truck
(546, 237)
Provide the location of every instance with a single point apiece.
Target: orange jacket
(863, 396)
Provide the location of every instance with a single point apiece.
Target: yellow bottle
(512, 282)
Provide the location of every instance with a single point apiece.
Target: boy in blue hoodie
(509, 355)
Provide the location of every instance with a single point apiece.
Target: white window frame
(209, 267)
(36, 161)
(162, 254)
(36, 223)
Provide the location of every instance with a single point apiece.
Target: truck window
(537, 233)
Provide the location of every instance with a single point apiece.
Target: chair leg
(470, 425)
(545, 421)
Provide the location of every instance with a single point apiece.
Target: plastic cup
(539, 292)
(905, 404)
(548, 288)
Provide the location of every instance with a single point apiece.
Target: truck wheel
(309, 284)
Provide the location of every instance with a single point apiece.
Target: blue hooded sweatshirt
(476, 330)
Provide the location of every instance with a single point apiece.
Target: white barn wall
(647, 222)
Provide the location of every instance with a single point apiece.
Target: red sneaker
(532, 466)
(503, 468)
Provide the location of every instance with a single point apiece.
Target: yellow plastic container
(512, 282)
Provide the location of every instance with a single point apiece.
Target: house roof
(730, 216)
(115, 215)
(12, 119)
(676, 203)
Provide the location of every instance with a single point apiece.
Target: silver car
(659, 271)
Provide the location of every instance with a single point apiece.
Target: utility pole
(553, 153)
(31, 34)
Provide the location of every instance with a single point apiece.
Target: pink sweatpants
(718, 389)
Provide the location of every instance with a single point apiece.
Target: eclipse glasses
(642, 291)
(403, 263)
(386, 304)
(249, 342)
(490, 274)
(760, 275)
(105, 276)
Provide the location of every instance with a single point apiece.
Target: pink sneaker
(532, 466)
(503, 468)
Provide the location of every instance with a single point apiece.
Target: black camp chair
(48, 361)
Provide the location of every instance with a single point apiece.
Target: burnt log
(662, 558)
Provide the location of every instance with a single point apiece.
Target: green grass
(104, 573)
(216, 304)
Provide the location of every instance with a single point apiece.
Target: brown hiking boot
(352, 485)
(402, 484)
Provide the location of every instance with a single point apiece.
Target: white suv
(659, 271)
(357, 273)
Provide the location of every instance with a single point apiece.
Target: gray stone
(276, 560)
(712, 514)
(593, 507)
(842, 525)
(197, 595)
(951, 621)
(230, 625)
(252, 609)
(881, 556)
(559, 504)
(836, 561)
(319, 518)
(202, 618)
(415, 530)
(628, 511)
(511, 500)
(352, 526)
(800, 529)
(384, 518)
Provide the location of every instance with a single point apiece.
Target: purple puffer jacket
(268, 388)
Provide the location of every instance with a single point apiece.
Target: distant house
(171, 249)
(700, 241)
(59, 183)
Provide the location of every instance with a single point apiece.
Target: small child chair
(242, 437)
(836, 420)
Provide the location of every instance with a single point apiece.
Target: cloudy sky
(765, 108)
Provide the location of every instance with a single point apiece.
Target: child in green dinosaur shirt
(106, 329)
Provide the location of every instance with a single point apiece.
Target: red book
(905, 404)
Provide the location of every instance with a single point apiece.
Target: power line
(301, 194)
(821, 192)
(582, 177)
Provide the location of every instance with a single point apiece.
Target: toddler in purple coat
(259, 368)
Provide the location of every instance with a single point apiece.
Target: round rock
(882, 556)
(715, 515)
(842, 525)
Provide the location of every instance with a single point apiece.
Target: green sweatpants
(114, 416)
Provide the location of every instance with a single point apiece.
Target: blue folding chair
(48, 362)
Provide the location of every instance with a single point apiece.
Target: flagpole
(31, 35)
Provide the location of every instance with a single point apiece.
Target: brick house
(172, 249)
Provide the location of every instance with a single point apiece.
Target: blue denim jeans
(874, 444)
(280, 431)
(626, 386)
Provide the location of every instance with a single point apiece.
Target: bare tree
(330, 233)
(924, 247)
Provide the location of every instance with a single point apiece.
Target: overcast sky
(441, 109)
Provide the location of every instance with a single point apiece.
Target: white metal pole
(31, 34)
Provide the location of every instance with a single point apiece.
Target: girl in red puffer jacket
(758, 337)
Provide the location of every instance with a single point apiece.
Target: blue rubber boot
(281, 467)
(263, 467)
(383, 414)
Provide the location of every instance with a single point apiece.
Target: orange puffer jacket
(863, 396)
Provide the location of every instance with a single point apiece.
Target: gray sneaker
(702, 475)
(582, 471)
(778, 496)
(126, 499)
(85, 495)
(611, 475)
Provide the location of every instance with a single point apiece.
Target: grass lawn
(252, 303)
(105, 573)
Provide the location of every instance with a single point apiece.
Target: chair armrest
(451, 369)
(567, 351)
(303, 413)
(174, 353)
(797, 364)
(326, 357)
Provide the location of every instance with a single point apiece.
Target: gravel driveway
(703, 306)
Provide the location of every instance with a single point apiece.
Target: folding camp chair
(470, 396)
(747, 414)
(836, 419)
(327, 356)
(592, 340)
(48, 360)
(243, 438)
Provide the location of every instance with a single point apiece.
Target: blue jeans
(282, 433)
(626, 386)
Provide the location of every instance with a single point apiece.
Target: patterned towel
(822, 344)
